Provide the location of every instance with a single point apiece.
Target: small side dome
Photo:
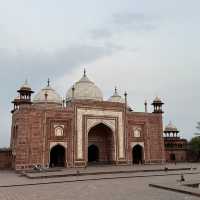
(116, 97)
(84, 89)
(157, 100)
(47, 95)
(171, 128)
(25, 85)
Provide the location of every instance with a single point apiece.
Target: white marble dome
(157, 99)
(49, 95)
(26, 85)
(116, 97)
(84, 89)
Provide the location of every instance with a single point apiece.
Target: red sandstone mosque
(82, 129)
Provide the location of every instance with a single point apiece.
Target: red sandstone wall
(180, 155)
(5, 159)
(176, 146)
(34, 133)
(151, 135)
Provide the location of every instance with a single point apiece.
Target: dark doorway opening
(172, 157)
(93, 153)
(137, 154)
(57, 156)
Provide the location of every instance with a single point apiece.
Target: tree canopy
(194, 144)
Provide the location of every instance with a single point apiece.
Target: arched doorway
(137, 154)
(101, 144)
(93, 153)
(172, 157)
(57, 156)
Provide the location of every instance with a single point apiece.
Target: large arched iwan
(101, 144)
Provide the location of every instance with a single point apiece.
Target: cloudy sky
(147, 48)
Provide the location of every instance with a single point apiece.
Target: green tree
(194, 144)
(198, 128)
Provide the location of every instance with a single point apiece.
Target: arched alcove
(137, 154)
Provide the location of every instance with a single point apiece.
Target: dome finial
(84, 72)
(25, 85)
(125, 94)
(48, 82)
(115, 89)
(26, 81)
(145, 105)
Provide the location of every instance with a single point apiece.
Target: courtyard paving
(106, 186)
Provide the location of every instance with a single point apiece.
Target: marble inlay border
(53, 144)
(80, 112)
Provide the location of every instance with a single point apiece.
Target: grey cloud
(134, 21)
(101, 33)
(38, 65)
(41, 64)
(129, 18)
(122, 22)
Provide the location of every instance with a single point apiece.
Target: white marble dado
(99, 113)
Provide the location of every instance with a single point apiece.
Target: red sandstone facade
(5, 158)
(82, 130)
(33, 135)
(175, 147)
(175, 150)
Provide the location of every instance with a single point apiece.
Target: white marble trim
(53, 144)
(98, 113)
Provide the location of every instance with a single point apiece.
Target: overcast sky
(145, 47)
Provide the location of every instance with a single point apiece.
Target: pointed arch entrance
(137, 154)
(57, 156)
(100, 144)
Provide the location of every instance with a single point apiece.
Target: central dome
(84, 89)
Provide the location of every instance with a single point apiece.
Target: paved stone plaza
(106, 186)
